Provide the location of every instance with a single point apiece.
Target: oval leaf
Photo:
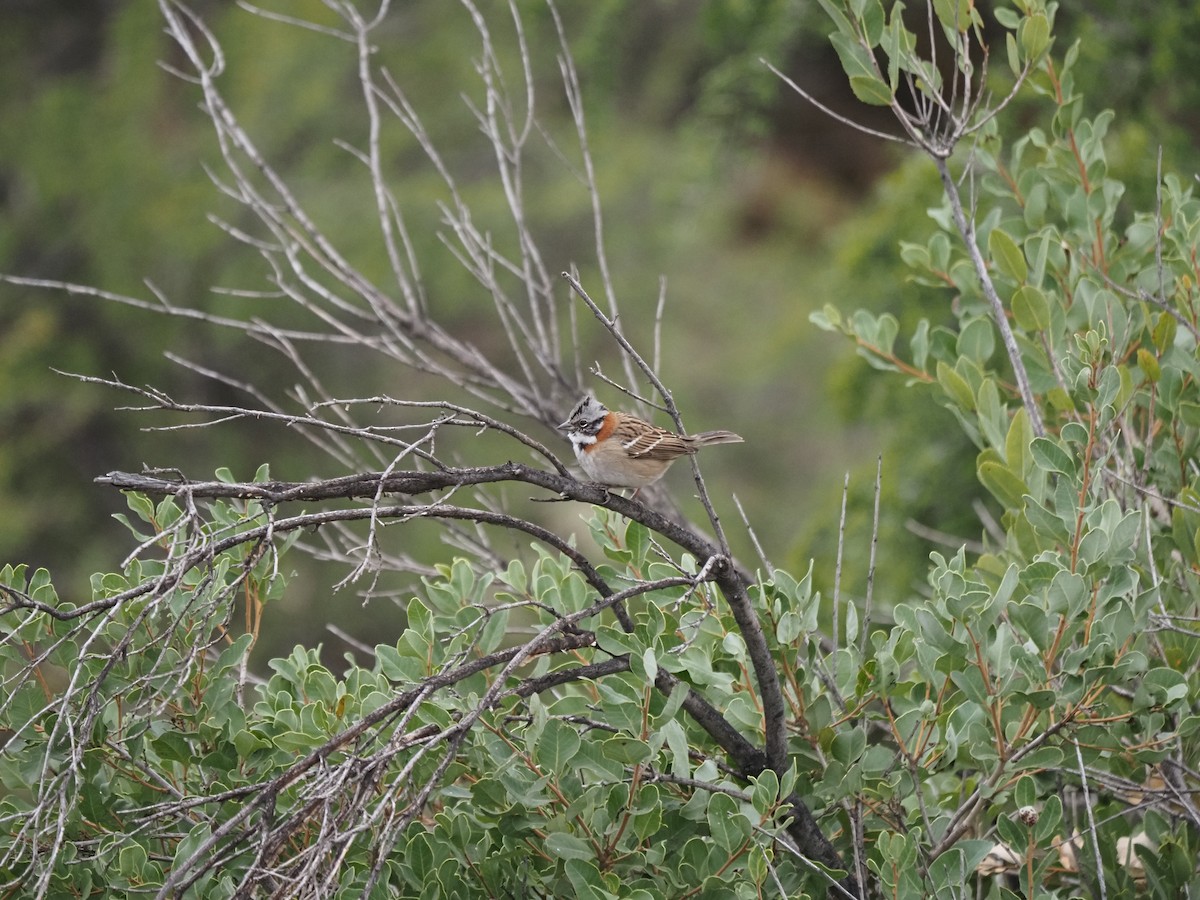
(567, 846)
(1035, 36)
(870, 90)
(1031, 309)
(1007, 256)
(955, 386)
(1148, 363)
(1004, 485)
(1050, 457)
(729, 827)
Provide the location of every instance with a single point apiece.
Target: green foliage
(116, 705)
(1123, 61)
(1039, 697)
(588, 790)
(1048, 652)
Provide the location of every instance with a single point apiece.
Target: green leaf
(1038, 700)
(827, 318)
(649, 664)
(1026, 791)
(970, 682)
(567, 846)
(617, 641)
(1050, 457)
(992, 416)
(515, 576)
(246, 742)
(1013, 834)
(1148, 363)
(758, 864)
(1008, 585)
(1045, 522)
(954, 14)
(977, 340)
(919, 343)
(1030, 308)
(872, 21)
(955, 386)
(1034, 35)
(1108, 387)
(728, 826)
(398, 666)
(871, 90)
(676, 740)
(1014, 59)
(885, 331)
(195, 839)
(1160, 687)
(627, 750)
(637, 541)
(174, 746)
(131, 861)
(840, 22)
(556, 747)
(915, 256)
(1003, 484)
(1049, 820)
(1043, 757)
(848, 746)
(1164, 332)
(1060, 400)
(964, 856)
(1189, 413)
(1075, 433)
(647, 821)
(1007, 256)
(1016, 442)
(1007, 18)
(142, 506)
(494, 631)
(765, 793)
(674, 703)
(1032, 622)
(855, 59)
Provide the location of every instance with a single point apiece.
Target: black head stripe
(578, 410)
(588, 415)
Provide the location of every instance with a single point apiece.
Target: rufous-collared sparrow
(620, 450)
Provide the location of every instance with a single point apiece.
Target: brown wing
(640, 440)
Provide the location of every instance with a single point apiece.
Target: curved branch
(364, 486)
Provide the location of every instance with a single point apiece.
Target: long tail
(704, 438)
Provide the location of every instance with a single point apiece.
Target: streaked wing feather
(652, 443)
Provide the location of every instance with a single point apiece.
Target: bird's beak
(565, 425)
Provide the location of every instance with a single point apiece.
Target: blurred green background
(754, 207)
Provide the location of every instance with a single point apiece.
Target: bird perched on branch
(620, 450)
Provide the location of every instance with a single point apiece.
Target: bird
(619, 450)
